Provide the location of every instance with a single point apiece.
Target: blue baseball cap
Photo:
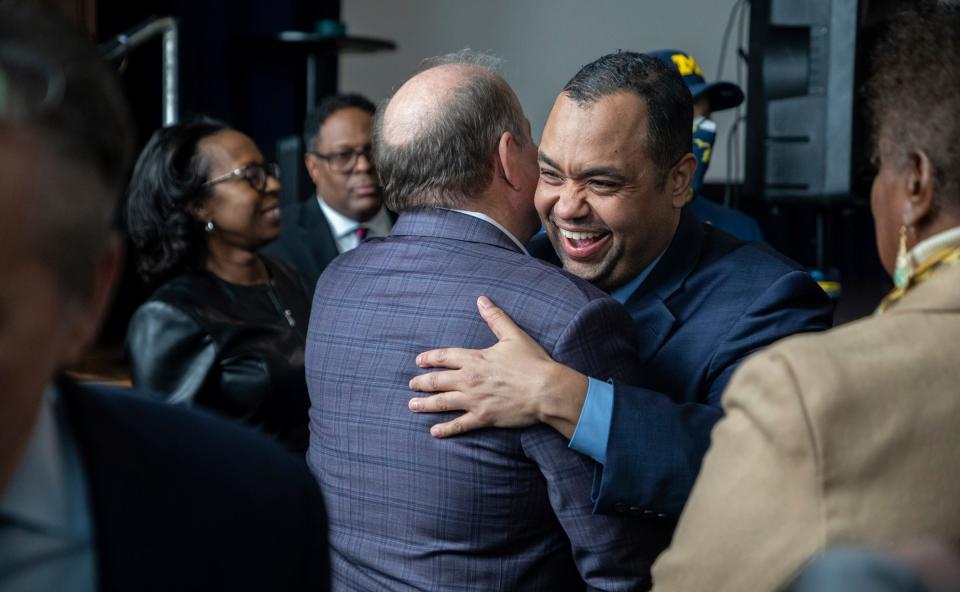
(723, 95)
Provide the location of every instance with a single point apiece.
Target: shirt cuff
(593, 428)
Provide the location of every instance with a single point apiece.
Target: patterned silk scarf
(941, 259)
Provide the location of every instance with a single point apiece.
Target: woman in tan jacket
(851, 437)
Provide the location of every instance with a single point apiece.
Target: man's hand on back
(512, 383)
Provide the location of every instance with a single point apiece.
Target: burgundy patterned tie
(361, 233)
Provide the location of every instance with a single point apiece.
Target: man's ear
(679, 178)
(919, 185)
(84, 317)
(508, 163)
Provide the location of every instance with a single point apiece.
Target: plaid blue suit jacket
(495, 509)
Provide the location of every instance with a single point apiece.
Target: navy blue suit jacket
(711, 301)
(306, 240)
(729, 220)
(495, 509)
(183, 500)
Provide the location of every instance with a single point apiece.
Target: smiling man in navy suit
(615, 172)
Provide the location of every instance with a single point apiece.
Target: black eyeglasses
(255, 174)
(343, 162)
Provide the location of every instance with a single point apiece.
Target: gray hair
(913, 92)
(56, 86)
(448, 158)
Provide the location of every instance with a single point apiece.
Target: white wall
(542, 42)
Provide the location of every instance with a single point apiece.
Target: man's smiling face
(602, 200)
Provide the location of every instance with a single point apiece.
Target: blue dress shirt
(46, 530)
(593, 428)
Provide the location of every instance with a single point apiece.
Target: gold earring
(903, 269)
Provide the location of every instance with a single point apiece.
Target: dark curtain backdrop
(223, 71)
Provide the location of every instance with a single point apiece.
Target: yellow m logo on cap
(686, 64)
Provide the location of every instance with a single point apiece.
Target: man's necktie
(361, 233)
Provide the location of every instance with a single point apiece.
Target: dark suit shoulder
(183, 500)
(746, 279)
(194, 443)
(747, 257)
(306, 241)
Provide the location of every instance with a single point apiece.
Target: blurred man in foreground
(104, 490)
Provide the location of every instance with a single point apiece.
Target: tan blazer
(849, 437)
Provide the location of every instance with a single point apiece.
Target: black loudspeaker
(800, 99)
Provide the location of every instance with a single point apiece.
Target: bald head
(419, 101)
(422, 99)
(435, 139)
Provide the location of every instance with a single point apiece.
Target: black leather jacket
(235, 349)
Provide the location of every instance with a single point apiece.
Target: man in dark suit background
(615, 170)
(348, 204)
(104, 490)
(497, 509)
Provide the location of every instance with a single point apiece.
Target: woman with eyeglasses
(225, 328)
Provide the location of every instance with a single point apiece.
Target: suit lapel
(318, 232)
(649, 306)
(652, 323)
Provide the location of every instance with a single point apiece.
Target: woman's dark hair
(167, 180)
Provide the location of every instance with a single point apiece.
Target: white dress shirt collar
(344, 228)
(487, 218)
